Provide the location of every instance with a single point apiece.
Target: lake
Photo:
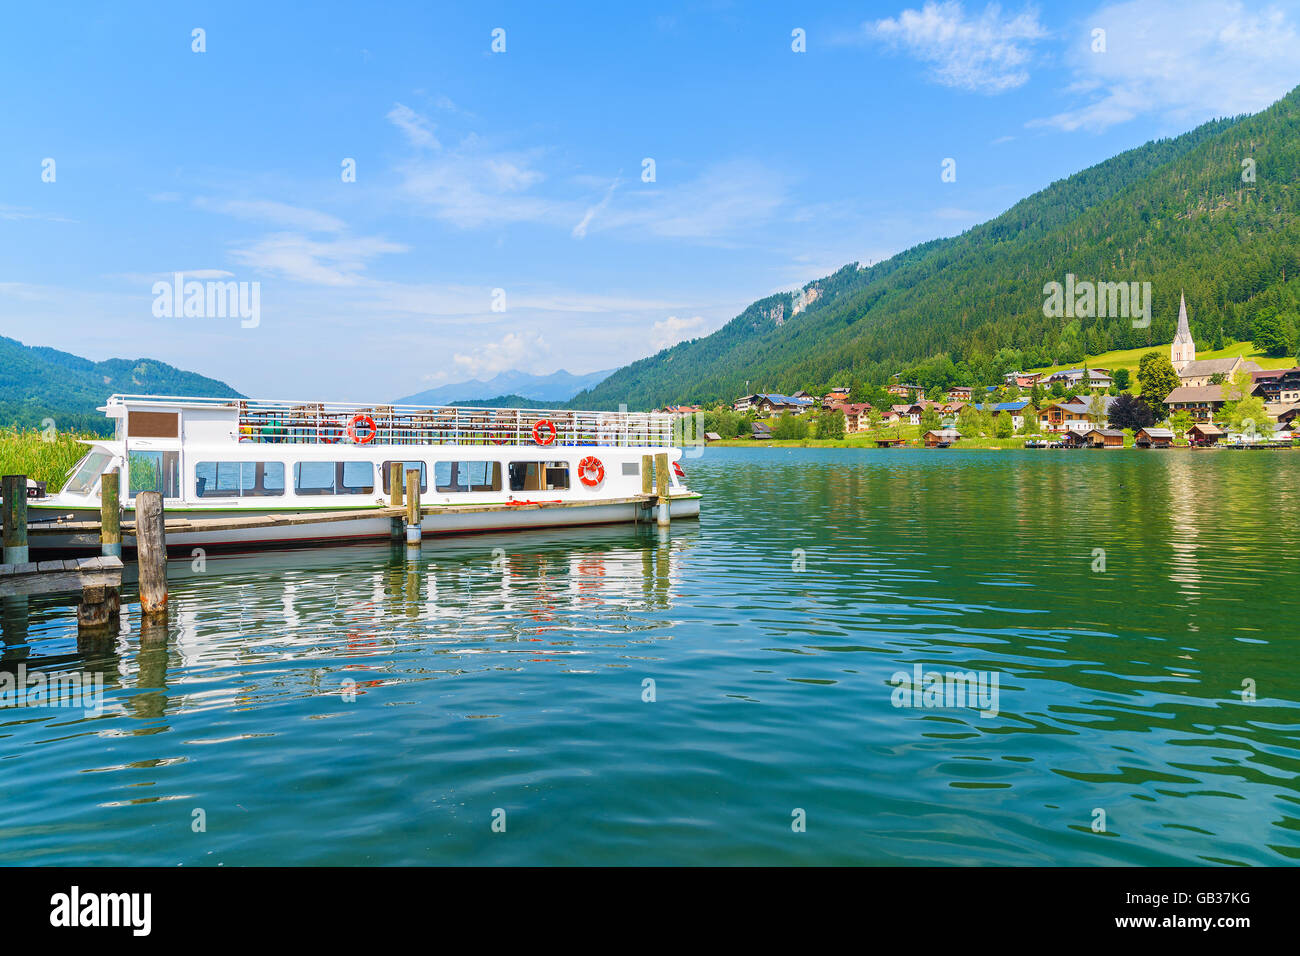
(738, 690)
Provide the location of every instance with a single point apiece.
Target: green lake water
(1139, 610)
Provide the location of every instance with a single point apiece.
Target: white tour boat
(225, 458)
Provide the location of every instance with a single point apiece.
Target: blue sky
(522, 170)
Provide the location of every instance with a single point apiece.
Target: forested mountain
(38, 383)
(1185, 214)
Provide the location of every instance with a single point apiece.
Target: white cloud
(418, 129)
(987, 53)
(1187, 61)
(672, 330)
(519, 350)
(276, 213)
(338, 262)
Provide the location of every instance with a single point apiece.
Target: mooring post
(14, 518)
(647, 478)
(110, 516)
(151, 553)
(395, 498)
(661, 479)
(413, 530)
(99, 607)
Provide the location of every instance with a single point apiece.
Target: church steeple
(1183, 349)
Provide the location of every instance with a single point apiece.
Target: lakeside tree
(1003, 427)
(789, 427)
(1248, 416)
(830, 424)
(1097, 409)
(1131, 412)
(1157, 377)
(1122, 378)
(1180, 421)
(929, 419)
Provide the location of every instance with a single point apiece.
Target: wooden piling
(661, 479)
(395, 480)
(99, 607)
(110, 516)
(151, 553)
(413, 530)
(647, 476)
(13, 519)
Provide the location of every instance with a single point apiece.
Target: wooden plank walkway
(47, 577)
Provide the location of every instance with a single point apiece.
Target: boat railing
(334, 422)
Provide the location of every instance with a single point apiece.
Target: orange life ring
(591, 464)
(537, 431)
(362, 420)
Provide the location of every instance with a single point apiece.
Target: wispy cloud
(338, 262)
(418, 129)
(986, 53)
(1186, 61)
(272, 212)
(580, 230)
(512, 350)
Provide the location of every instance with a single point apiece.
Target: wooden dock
(98, 579)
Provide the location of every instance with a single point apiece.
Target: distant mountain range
(1214, 213)
(557, 387)
(38, 383)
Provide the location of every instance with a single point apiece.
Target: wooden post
(647, 486)
(661, 479)
(110, 515)
(151, 553)
(413, 530)
(395, 498)
(99, 606)
(13, 520)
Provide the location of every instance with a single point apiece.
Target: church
(1193, 372)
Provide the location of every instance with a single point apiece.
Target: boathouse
(1154, 438)
(1104, 438)
(941, 437)
(1205, 435)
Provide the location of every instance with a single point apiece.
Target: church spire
(1184, 333)
(1183, 350)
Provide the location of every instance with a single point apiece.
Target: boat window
(84, 478)
(386, 471)
(632, 468)
(155, 471)
(238, 479)
(539, 475)
(334, 478)
(454, 476)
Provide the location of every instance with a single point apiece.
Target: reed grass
(44, 456)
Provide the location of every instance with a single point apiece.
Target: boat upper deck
(290, 422)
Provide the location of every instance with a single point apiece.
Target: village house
(903, 391)
(959, 393)
(1015, 409)
(909, 413)
(1098, 378)
(1022, 379)
(1194, 373)
(1202, 402)
(1073, 416)
(1278, 388)
(855, 415)
(773, 404)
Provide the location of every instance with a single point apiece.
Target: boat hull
(442, 522)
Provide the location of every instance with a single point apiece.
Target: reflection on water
(632, 696)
